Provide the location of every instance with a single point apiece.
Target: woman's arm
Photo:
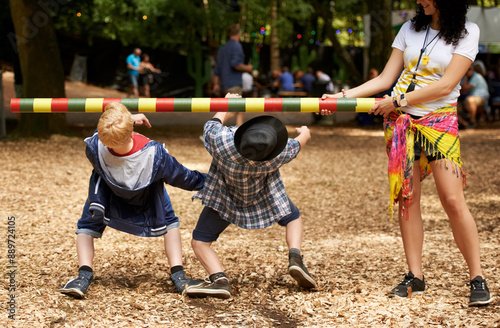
(452, 76)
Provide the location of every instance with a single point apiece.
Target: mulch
(351, 246)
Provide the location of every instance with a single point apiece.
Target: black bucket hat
(262, 138)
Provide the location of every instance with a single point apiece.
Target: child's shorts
(95, 226)
(210, 225)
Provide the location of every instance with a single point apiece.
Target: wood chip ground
(351, 246)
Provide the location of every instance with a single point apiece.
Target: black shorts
(430, 153)
(210, 225)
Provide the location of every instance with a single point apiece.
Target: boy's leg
(88, 228)
(294, 233)
(207, 256)
(210, 225)
(173, 249)
(207, 230)
(85, 248)
(296, 266)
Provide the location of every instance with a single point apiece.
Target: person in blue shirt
(133, 63)
(305, 81)
(285, 80)
(229, 68)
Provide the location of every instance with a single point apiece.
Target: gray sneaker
(298, 271)
(479, 292)
(78, 287)
(180, 281)
(218, 286)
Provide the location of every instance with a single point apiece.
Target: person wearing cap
(244, 188)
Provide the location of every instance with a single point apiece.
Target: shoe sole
(479, 303)
(72, 292)
(187, 285)
(193, 292)
(405, 297)
(302, 278)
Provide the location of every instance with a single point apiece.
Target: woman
(430, 56)
(146, 71)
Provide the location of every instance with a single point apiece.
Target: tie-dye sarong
(437, 131)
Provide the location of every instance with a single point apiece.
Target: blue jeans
(134, 79)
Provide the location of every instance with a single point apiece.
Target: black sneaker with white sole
(479, 292)
(181, 282)
(408, 287)
(298, 271)
(218, 286)
(78, 287)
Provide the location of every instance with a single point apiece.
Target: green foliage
(255, 57)
(146, 23)
(341, 75)
(168, 24)
(181, 24)
(199, 70)
(304, 59)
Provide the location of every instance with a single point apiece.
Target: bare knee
(194, 244)
(197, 245)
(452, 204)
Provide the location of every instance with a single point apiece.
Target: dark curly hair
(452, 17)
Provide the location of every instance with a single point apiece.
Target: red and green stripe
(95, 105)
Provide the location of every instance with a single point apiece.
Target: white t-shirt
(247, 81)
(410, 42)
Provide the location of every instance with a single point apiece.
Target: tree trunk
(380, 33)
(326, 15)
(41, 66)
(274, 43)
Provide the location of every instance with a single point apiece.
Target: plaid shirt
(249, 194)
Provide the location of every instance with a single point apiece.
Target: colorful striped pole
(256, 105)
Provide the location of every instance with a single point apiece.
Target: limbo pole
(161, 105)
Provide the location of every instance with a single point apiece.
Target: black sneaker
(218, 286)
(479, 292)
(180, 281)
(408, 287)
(78, 287)
(298, 271)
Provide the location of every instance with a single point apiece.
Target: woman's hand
(383, 107)
(328, 95)
(232, 95)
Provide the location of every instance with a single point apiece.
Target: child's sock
(217, 275)
(176, 268)
(85, 268)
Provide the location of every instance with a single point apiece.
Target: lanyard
(424, 47)
(411, 87)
